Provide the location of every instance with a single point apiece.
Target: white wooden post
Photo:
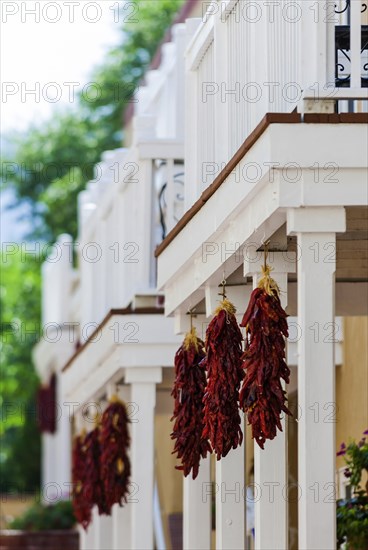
(102, 524)
(316, 231)
(180, 38)
(87, 204)
(197, 493)
(170, 195)
(63, 451)
(317, 45)
(57, 273)
(191, 187)
(121, 516)
(87, 539)
(230, 499)
(355, 43)
(197, 509)
(103, 531)
(143, 393)
(48, 463)
(230, 471)
(222, 98)
(270, 464)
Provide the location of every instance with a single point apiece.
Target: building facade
(251, 129)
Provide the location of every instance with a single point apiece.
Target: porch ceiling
(238, 213)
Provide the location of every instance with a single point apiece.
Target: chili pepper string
(46, 406)
(81, 507)
(262, 396)
(115, 462)
(222, 423)
(93, 488)
(188, 391)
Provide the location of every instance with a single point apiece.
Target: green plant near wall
(352, 513)
(41, 517)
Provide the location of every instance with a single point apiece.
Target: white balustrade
(250, 58)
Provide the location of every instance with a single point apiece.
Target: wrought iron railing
(343, 47)
(178, 180)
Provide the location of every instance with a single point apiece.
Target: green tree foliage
(41, 517)
(145, 25)
(53, 162)
(352, 513)
(20, 328)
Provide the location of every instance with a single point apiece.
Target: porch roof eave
(127, 338)
(234, 211)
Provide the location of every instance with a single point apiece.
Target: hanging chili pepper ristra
(94, 487)
(115, 442)
(262, 396)
(224, 367)
(46, 406)
(188, 392)
(81, 507)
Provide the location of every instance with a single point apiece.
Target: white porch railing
(136, 197)
(249, 58)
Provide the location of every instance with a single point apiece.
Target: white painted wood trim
(197, 504)
(199, 44)
(230, 499)
(271, 464)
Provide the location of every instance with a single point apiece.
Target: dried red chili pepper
(81, 507)
(93, 488)
(115, 463)
(224, 365)
(46, 406)
(262, 396)
(188, 392)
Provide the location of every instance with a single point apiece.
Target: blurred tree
(54, 161)
(20, 301)
(51, 163)
(145, 24)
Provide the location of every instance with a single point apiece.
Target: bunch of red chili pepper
(188, 392)
(222, 422)
(262, 365)
(81, 505)
(46, 406)
(115, 463)
(100, 464)
(262, 396)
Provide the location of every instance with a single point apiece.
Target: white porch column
(63, 438)
(143, 393)
(197, 509)
(316, 231)
(121, 516)
(48, 462)
(102, 524)
(102, 531)
(230, 471)
(87, 538)
(270, 464)
(221, 75)
(230, 499)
